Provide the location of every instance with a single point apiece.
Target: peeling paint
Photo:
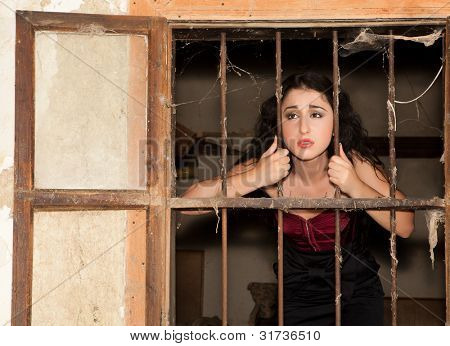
(6, 230)
(7, 162)
(7, 94)
(6, 224)
(6, 187)
(92, 29)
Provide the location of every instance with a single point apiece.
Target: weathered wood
(135, 251)
(158, 174)
(135, 268)
(80, 22)
(247, 10)
(86, 199)
(262, 26)
(23, 175)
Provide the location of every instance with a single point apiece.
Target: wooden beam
(80, 22)
(158, 173)
(23, 175)
(86, 199)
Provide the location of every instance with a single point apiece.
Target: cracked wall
(94, 308)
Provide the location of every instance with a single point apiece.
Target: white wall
(7, 76)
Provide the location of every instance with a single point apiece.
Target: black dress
(309, 284)
(309, 280)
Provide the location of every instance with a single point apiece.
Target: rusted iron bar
(278, 94)
(447, 171)
(223, 122)
(286, 203)
(393, 177)
(116, 199)
(337, 233)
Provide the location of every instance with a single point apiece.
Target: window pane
(79, 267)
(91, 95)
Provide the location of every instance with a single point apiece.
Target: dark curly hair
(351, 133)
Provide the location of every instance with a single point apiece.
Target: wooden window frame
(153, 200)
(159, 199)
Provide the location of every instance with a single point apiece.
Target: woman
(307, 168)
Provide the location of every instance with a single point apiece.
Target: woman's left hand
(343, 174)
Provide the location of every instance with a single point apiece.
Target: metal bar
(22, 272)
(447, 171)
(297, 33)
(313, 203)
(173, 193)
(115, 199)
(223, 122)
(337, 233)
(393, 178)
(278, 94)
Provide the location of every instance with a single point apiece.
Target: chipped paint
(6, 227)
(6, 187)
(7, 92)
(7, 162)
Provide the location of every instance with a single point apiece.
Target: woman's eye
(316, 115)
(291, 115)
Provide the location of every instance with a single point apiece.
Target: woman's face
(307, 123)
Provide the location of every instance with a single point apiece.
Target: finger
(333, 173)
(337, 160)
(342, 153)
(271, 149)
(280, 154)
(287, 167)
(285, 159)
(337, 165)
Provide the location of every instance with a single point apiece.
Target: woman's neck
(310, 172)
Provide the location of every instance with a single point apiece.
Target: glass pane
(91, 96)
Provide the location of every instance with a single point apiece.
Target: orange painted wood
(288, 9)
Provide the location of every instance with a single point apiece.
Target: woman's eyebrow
(316, 106)
(298, 107)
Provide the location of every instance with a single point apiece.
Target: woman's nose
(304, 125)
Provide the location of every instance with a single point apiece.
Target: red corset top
(317, 233)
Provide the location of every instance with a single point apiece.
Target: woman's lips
(305, 143)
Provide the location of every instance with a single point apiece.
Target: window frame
(159, 199)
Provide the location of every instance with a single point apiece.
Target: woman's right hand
(273, 165)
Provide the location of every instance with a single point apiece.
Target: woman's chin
(307, 155)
